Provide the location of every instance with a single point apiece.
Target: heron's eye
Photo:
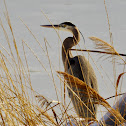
(64, 25)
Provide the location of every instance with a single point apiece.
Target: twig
(96, 51)
(115, 96)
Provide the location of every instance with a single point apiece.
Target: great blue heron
(77, 66)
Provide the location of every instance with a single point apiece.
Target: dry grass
(75, 82)
(17, 106)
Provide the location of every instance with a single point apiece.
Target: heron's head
(65, 26)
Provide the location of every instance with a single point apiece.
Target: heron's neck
(68, 44)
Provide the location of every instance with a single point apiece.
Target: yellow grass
(93, 94)
(17, 96)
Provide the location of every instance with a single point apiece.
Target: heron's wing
(81, 68)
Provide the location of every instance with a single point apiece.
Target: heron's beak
(50, 26)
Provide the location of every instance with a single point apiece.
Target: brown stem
(96, 51)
